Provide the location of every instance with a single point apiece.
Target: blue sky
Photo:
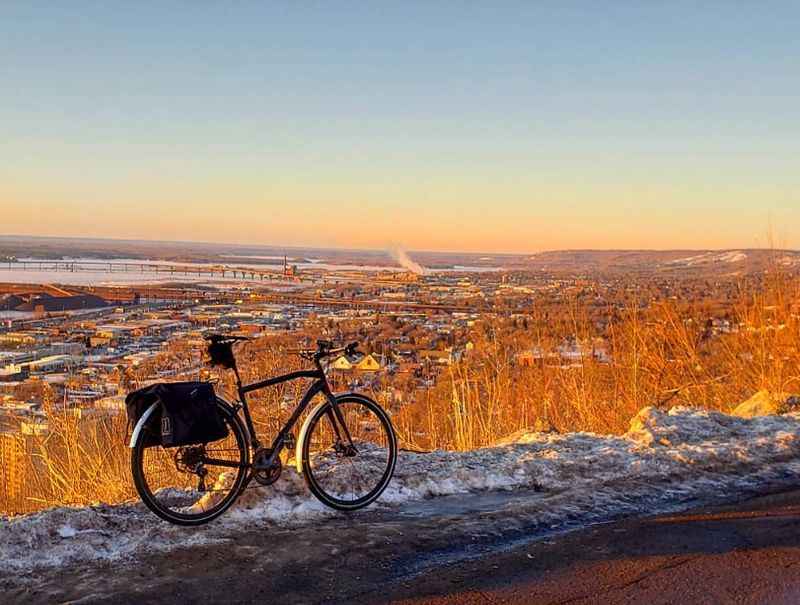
(447, 125)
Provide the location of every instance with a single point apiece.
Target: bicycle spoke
(352, 471)
(185, 483)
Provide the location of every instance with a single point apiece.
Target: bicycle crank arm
(228, 463)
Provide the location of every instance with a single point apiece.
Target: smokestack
(401, 257)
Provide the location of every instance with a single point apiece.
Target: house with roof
(367, 363)
(341, 363)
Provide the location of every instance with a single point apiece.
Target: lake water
(103, 277)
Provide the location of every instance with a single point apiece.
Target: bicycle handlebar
(325, 349)
(225, 338)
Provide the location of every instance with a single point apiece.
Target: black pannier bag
(187, 415)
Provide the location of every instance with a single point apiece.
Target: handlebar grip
(213, 337)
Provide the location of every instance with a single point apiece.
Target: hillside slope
(666, 461)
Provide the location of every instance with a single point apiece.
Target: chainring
(266, 476)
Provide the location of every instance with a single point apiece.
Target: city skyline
(435, 128)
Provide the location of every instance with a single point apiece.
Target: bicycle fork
(336, 419)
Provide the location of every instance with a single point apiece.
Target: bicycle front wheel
(194, 484)
(345, 476)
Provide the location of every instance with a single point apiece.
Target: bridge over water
(152, 267)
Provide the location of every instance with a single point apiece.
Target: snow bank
(766, 403)
(665, 460)
(731, 256)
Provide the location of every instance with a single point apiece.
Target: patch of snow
(731, 256)
(67, 531)
(762, 403)
(666, 460)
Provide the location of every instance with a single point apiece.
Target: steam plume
(401, 257)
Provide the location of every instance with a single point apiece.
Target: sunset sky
(506, 126)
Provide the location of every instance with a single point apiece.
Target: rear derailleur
(190, 460)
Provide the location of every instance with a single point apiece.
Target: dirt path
(466, 549)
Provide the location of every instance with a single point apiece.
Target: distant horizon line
(386, 250)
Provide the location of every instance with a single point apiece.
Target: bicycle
(346, 448)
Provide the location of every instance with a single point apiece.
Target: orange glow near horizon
(455, 218)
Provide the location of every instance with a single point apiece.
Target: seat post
(236, 373)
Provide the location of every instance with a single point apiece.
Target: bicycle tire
(204, 516)
(313, 481)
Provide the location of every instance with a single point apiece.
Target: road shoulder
(747, 553)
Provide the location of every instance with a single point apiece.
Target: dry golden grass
(78, 463)
(662, 356)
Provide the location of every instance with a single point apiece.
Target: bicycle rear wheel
(191, 485)
(345, 477)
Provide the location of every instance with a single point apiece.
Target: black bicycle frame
(320, 385)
